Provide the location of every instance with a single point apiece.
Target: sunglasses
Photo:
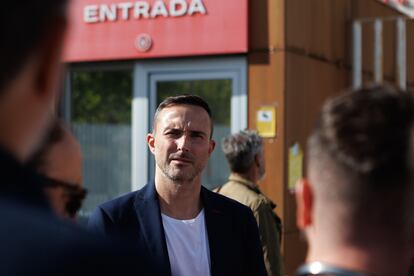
(74, 192)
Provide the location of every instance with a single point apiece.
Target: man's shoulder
(226, 204)
(121, 209)
(117, 208)
(119, 202)
(243, 194)
(236, 187)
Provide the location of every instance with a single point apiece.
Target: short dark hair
(361, 152)
(23, 25)
(184, 99)
(241, 148)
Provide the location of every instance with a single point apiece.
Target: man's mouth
(182, 160)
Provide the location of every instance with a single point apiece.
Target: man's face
(64, 164)
(181, 142)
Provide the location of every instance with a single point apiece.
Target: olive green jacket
(270, 226)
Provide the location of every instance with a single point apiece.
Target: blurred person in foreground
(356, 204)
(33, 241)
(187, 229)
(245, 156)
(59, 160)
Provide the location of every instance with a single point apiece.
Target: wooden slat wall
(308, 83)
(299, 55)
(266, 85)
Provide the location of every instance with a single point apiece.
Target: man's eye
(197, 135)
(172, 133)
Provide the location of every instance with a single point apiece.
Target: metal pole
(401, 53)
(378, 51)
(356, 55)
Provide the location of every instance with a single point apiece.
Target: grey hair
(241, 148)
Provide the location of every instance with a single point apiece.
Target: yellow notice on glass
(266, 121)
(295, 165)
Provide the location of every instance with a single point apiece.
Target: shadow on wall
(258, 32)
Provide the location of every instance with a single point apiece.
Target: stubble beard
(175, 175)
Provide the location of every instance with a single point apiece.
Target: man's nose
(183, 143)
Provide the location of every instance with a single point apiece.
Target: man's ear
(49, 69)
(257, 160)
(151, 142)
(304, 203)
(212, 146)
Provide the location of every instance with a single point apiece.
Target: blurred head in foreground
(32, 40)
(60, 161)
(356, 204)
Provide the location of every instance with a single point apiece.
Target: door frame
(146, 75)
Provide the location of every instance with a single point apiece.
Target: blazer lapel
(148, 211)
(215, 219)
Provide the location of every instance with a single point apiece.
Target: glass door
(221, 82)
(110, 108)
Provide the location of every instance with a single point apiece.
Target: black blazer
(232, 230)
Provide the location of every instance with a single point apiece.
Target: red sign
(120, 29)
(404, 6)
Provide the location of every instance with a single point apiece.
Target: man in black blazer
(184, 228)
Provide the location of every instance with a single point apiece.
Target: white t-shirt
(187, 244)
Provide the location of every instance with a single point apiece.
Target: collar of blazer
(147, 208)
